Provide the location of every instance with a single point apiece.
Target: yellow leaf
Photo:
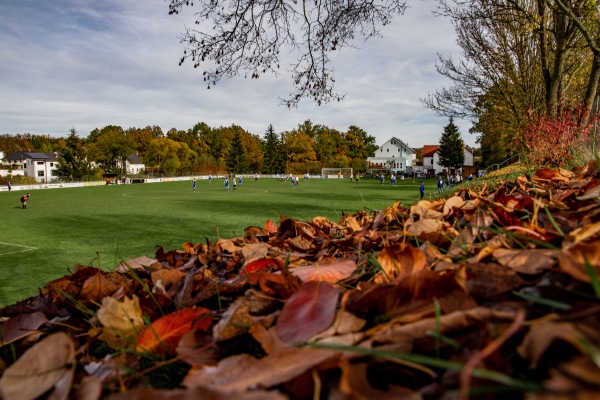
(122, 321)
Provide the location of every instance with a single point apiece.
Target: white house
(40, 166)
(133, 165)
(431, 158)
(394, 155)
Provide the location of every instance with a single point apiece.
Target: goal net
(336, 173)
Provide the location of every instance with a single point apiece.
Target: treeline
(201, 150)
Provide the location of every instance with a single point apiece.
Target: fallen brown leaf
(46, 365)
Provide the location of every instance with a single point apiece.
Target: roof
(31, 155)
(134, 159)
(430, 149)
(400, 144)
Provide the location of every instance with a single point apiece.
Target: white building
(394, 156)
(133, 165)
(40, 166)
(431, 159)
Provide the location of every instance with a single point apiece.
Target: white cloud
(87, 64)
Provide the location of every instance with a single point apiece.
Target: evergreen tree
(237, 160)
(270, 151)
(73, 163)
(451, 152)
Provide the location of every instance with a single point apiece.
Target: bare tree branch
(246, 37)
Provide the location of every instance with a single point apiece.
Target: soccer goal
(336, 173)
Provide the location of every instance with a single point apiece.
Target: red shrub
(554, 142)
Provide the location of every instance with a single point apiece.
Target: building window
(52, 164)
(40, 163)
(40, 173)
(388, 150)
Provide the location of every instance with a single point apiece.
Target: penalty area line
(23, 250)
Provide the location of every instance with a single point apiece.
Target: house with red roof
(431, 159)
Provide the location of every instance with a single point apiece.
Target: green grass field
(104, 224)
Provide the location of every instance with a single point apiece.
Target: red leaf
(307, 312)
(326, 270)
(163, 335)
(263, 263)
(270, 226)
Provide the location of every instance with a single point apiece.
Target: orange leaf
(270, 226)
(167, 276)
(398, 261)
(164, 334)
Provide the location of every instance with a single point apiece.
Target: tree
(451, 151)
(329, 144)
(72, 160)
(141, 138)
(299, 147)
(237, 161)
(359, 143)
(519, 56)
(166, 155)
(248, 37)
(254, 154)
(271, 148)
(111, 148)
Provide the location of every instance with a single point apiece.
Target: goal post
(337, 173)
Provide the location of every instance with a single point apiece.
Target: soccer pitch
(103, 224)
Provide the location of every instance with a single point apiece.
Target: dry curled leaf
(41, 368)
(20, 326)
(398, 261)
(307, 312)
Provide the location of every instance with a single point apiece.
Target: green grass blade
(541, 300)
(432, 362)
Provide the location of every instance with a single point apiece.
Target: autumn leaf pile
(492, 293)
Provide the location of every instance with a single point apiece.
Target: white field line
(25, 248)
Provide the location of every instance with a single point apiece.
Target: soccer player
(24, 200)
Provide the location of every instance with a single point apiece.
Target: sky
(86, 64)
